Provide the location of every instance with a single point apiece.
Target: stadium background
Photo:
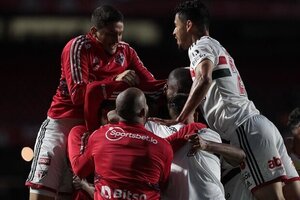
(261, 35)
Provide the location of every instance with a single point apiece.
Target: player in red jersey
(129, 161)
(99, 55)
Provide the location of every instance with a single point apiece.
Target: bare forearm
(197, 94)
(233, 155)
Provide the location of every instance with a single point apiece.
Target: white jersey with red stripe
(196, 177)
(226, 105)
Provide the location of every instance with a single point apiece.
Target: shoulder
(209, 134)
(158, 129)
(123, 45)
(79, 42)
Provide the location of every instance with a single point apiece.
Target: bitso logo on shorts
(117, 133)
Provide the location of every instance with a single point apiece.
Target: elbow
(206, 80)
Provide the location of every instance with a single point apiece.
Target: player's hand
(77, 182)
(167, 122)
(113, 117)
(198, 143)
(129, 77)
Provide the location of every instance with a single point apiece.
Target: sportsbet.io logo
(117, 133)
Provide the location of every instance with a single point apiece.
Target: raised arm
(201, 84)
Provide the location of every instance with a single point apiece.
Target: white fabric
(226, 105)
(266, 154)
(50, 168)
(235, 188)
(194, 178)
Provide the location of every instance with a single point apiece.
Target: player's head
(176, 103)
(107, 27)
(191, 22)
(294, 122)
(179, 81)
(105, 107)
(131, 105)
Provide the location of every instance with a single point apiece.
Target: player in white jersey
(196, 177)
(219, 89)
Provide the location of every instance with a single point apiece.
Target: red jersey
(99, 91)
(83, 61)
(129, 162)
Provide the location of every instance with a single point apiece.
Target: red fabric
(81, 195)
(127, 159)
(178, 139)
(83, 61)
(99, 91)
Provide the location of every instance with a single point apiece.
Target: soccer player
(293, 143)
(219, 89)
(197, 176)
(100, 55)
(129, 162)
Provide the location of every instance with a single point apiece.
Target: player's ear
(142, 113)
(93, 30)
(188, 25)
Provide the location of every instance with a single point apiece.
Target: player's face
(110, 36)
(181, 34)
(296, 132)
(170, 89)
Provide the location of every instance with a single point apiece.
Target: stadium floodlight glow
(27, 154)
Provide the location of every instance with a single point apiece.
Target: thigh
(50, 169)
(259, 138)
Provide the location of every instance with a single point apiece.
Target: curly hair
(104, 15)
(195, 11)
(294, 119)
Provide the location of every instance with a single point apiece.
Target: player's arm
(80, 156)
(74, 62)
(79, 183)
(233, 155)
(96, 93)
(179, 138)
(199, 89)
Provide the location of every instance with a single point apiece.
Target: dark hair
(294, 119)
(183, 79)
(177, 102)
(104, 15)
(195, 11)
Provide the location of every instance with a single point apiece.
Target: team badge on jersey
(119, 59)
(96, 64)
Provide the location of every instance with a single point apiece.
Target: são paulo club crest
(119, 59)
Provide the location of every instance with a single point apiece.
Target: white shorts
(267, 160)
(234, 186)
(50, 168)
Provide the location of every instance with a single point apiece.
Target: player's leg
(48, 169)
(291, 189)
(271, 191)
(262, 171)
(41, 195)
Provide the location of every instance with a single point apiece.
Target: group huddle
(98, 124)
